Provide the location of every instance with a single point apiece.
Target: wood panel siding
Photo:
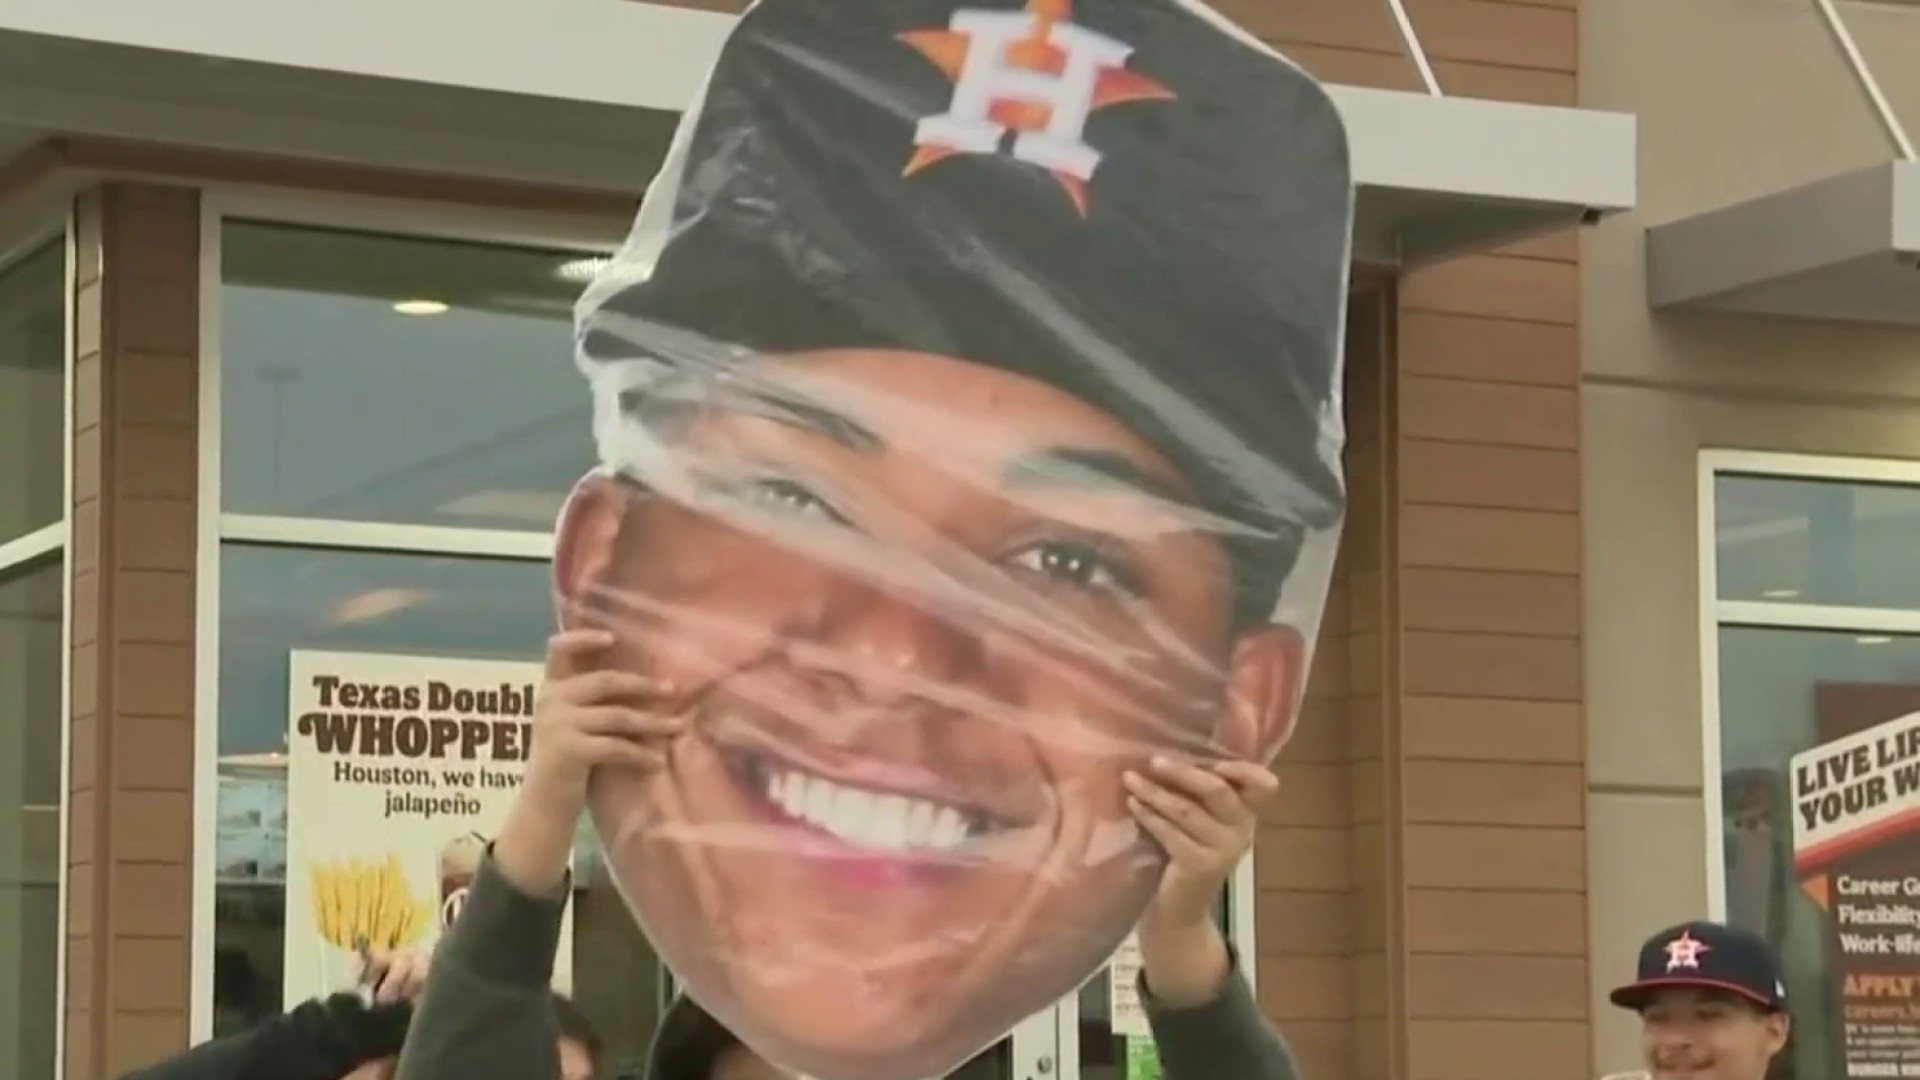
(130, 827)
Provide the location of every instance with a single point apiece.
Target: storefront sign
(1856, 841)
(399, 770)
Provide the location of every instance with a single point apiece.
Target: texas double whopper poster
(400, 770)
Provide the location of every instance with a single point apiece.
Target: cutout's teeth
(947, 829)
(887, 822)
(890, 821)
(920, 814)
(818, 804)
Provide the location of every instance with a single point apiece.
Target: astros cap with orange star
(1706, 956)
(1128, 200)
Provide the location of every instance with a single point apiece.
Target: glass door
(1033, 1050)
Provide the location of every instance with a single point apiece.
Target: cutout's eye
(1080, 565)
(769, 496)
(784, 497)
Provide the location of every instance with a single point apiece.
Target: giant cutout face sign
(968, 399)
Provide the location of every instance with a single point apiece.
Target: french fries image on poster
(360, 903)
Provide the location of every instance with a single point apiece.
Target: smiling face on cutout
(921, 615)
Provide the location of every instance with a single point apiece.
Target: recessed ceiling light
(420, 307)
(1873, 639)
(582, 270)
(1781, 594)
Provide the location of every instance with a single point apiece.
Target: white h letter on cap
(985, 78)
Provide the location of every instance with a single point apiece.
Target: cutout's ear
(1264, 677)
(584, 544)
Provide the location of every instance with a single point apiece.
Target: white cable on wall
(1864, 75)
(1414, 48)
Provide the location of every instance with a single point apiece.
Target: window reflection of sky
(1803, 541)
(32, 350)
(274, 600)
(336, 406)
(1791, 540)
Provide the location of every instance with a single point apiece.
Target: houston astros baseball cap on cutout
(1192, 286)
(1706, 956)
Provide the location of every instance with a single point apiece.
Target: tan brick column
(1323, 894)
(1463, 675)
(135, 477)
(1451, 660)
(1423, 908)
(1489, 722)
(1370, 547)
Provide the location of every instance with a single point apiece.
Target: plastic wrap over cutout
(968, 399)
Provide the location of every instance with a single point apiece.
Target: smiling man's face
(1694, 1034)
(922, 615)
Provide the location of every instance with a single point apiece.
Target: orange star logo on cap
(1033, 73)
(1684, 951)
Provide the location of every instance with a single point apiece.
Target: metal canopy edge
(1843, 249)
(582, 94)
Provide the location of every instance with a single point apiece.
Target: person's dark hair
(575, 1027)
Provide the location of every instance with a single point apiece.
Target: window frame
(15, 249)
(1717, 614)
(215, 528)
(54, 541)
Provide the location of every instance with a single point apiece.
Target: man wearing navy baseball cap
(1711, 1002)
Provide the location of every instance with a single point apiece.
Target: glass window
(1782, 543)
(278, 599)
(374, 378)
(1783, 692)
(1810, 541)
(33, 316)
(30, 783)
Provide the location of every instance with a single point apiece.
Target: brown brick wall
(1490, 719)
(1329, 881)
(1517, 50)
(1452, 653)
(131, 822)
(1510, 50)
(1422, 883)
(1377, 963)
(1304, 862)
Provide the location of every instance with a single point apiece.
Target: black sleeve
(320, 1040)
(488, 1007)
(1224, 1039)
